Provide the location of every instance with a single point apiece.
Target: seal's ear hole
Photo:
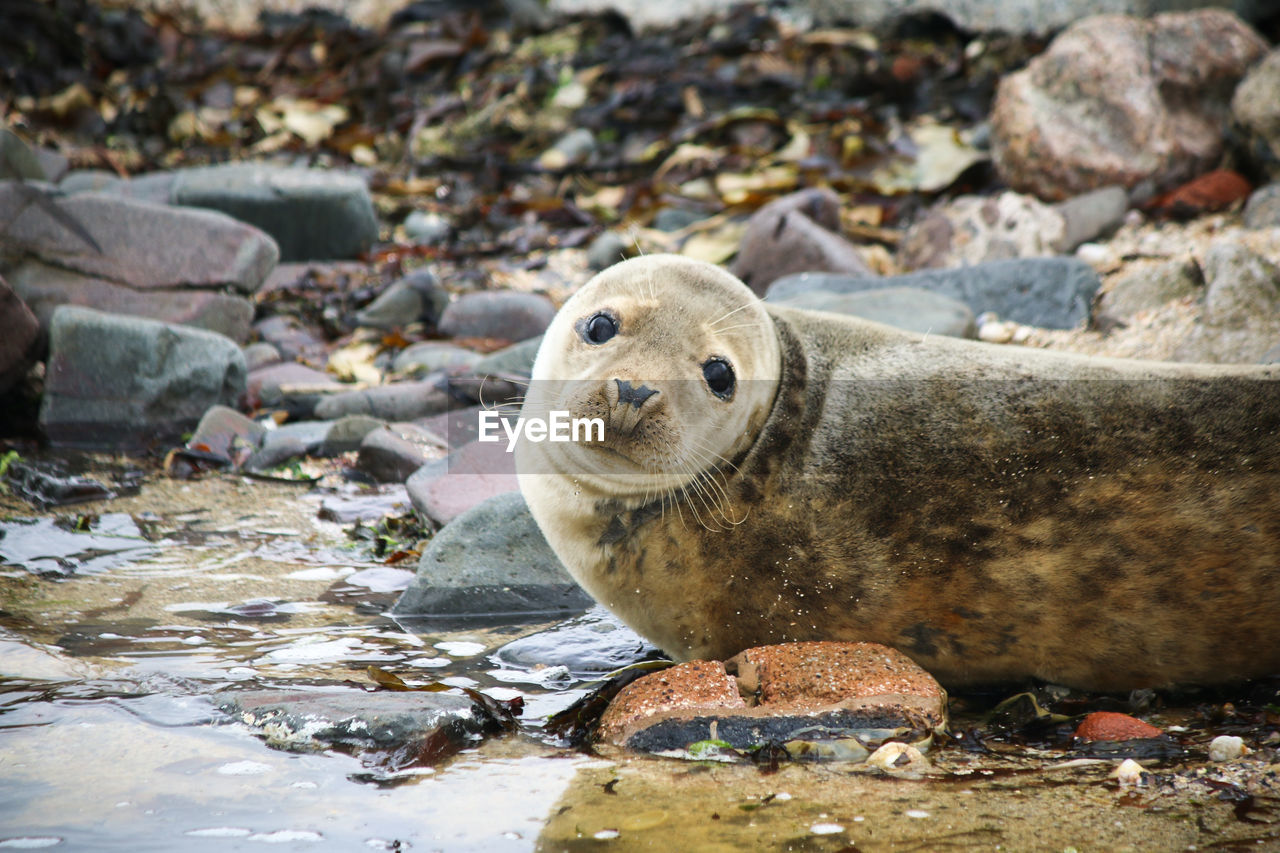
(599, 328)
(719, 376)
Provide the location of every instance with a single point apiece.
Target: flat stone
(444, 489)
(312, 214)
(143, 246)
(19, 330)
(415, 298)
(46, 287)
(1263, 208)
(432, 356)
(228, 433)
(392, 453)
(493, 562)
(399, 401)
(291, 386)
(115, 382)
(909, 308)
(1053, 293)
(1147, 287)
(506, 315)
(794, 234)
(1139, 103)
(974, 229)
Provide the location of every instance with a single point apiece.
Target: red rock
(822, 672)
(699, 685)
(1211, 191)
(1110, 725)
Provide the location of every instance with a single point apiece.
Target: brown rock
(18, 331)
(1113, 726)
(1211, 191)
(698, 686)
(820, 672)
(1122, 100)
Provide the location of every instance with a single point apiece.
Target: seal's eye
(600, 328)
(719, 376)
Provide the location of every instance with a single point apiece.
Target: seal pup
(770, 475)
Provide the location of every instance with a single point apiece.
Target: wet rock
(1091, 215)
(588, 646)
(432, 356)
(1240, 285)
(227, 433)
(122, 382)
(503, 314)
(606, 250)
(1053, 293)
(355, 719)
(390, 454)
(312, 214)
(1255, 107)
(427, 229)
(261, 354)
(47, 287)
(1146, 287)
(19, 330)
(415, 298)
(293, 387)
(1113, 726)
(909, 308)
(809, 693)
(400, 401)
(492, 561)
(794, 234)
(444, 489)
(973, 229)
(347, 434)
(900, 759)
(516, 359)
(144, 246)
(294, 340)
(1122, 100)
(1226, 748)
(1263, 208)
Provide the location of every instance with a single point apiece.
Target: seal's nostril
(633, 394)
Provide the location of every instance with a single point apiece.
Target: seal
(770, 475)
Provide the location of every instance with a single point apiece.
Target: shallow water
(114, 641)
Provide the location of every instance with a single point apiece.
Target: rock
(54, 164)
(415, 298)
(261, 354)
(290, 386)
(973, 229)
(226, 432)
(1091, 215)
(900, 759)
(1146, 287)
(19, 330)
(295, 341)
(399, 401)
(46, 287)
(675, 218)
(88, 181)
(606, 250)
(347, 434)
(573, 149)
(1054, 293)
(491, 561)
(502, 314)
(116, 382)
(432, 356)
(1263, 208)
(1226, 748)
(144, 246)
(390, 454)
(909, 308)
(18, 161)
(155, 187)
(794, 234)
(427, 228)
(813, 693)
(1255, 108)
(1216, 190)
(444, 489)
(357, 719)
(588, 646)
(1240, 285)
(1122, 100)
(516, 359)
(275, 450)
(312, 214)
(1113, 726)
(457, 426)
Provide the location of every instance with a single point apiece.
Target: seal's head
(677, 358)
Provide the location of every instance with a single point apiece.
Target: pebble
(392, 453)
(1263, 208)
(502, 314)
(427, 228)
(1128, 773)
(901, 759)
(418, 297)
(573, 149)
(1114, 726)
(607, 249)
(432, 356)
(1226, 748)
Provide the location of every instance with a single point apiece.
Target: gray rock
(502, 314)
(675, 218)
(18, 161)
(432, 356)
(45, 288)
(19, 330)
(144, 246)
(399, 401)
(392, 453)
(119, 382)
(313, 214)
(974, 229)
(1255, 106)
(491, 561)
(54, 164)
(155, 187)
(427, 228)
(227, 433)
(294, 340)
(1240, 285)
(347, 433)
(89, 181)
(293, 387)
(275, 450)
(1263, 208)
(1055, 293)
(458, 427)
(1143, 288)
(794, 234)
(515, 360)
(261, 354)
(1091, 215)
(356, 719)
(574, 148)
(909, 308)
(417, 297)
(444, 489)
(1271, 356)
(296, 438)
(1121, 100)
(589, 645)
(606, 250)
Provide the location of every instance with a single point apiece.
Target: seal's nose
(633, 394)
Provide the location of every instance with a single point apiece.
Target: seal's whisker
(712, 325)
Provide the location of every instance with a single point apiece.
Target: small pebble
(826, 828)
(1128, 773)
(1093, 254)
(996, 332)
(917, 813)
(899, 759)
(1226, 748)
